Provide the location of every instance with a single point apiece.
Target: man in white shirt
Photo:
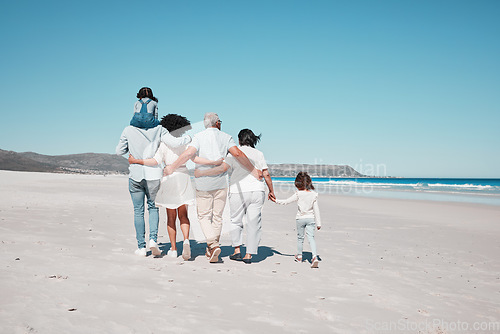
(211, 191)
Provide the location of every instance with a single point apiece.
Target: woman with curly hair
(176, 190)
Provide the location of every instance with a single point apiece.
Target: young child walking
(308, 218)
(145, 110)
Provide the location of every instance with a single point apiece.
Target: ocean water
(483, 191)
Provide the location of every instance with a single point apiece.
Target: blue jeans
(139, 190)
(308, 225)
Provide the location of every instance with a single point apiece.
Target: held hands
(318, 227)
(197, 173)
(271, 197)
(167, 170)
(217, 162)
(131, 159)
(257, 173)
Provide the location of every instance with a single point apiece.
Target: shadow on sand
(199, 248)
(307, 257)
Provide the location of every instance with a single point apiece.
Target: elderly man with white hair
(211, 191)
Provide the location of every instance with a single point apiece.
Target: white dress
(175, 189)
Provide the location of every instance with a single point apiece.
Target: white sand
(67, 266)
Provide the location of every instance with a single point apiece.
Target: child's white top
(152, 106)
(307, 202)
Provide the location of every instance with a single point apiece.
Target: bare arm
(269, 182)
(145, 162)
(212, 171)
(243, 160)
(172, 141)
(202, 161)
(189, 153)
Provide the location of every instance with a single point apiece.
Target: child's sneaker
(314, 262)
(298, 258)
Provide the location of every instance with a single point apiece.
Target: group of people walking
(158, 153)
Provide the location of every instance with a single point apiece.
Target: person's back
(212, 144)
(142, 144)
(147, 116)
(142, 141)
(211, 191)
(169, 154)
(144, 181)
(145, 110)
(308, 217)
(240, 178)
(305, 203)
(247, 196)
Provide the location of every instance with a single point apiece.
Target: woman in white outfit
(246, 195)
(176, 190)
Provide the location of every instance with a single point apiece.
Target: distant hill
(10, 160)
(84, 163)
(101, 163)
(291, 170)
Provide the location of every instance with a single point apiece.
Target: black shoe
(247, 261)
(236, 257)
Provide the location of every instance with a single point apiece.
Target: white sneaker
(186, 250)
(154, 248)
(140, 252)
(172, 253)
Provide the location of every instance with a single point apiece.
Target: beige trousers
(210, 206)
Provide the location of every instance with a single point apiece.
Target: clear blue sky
(411, 85)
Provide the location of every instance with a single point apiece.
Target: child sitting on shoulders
(145, 110)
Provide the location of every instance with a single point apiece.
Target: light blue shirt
(212, 144)
(142, 144)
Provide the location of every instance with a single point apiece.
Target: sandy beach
(400, 266)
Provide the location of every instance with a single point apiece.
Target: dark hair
(246, 137)
(146, 92)
(177, 125)
(303, 181)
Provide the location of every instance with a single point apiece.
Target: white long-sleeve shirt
(307, 203)
(152, 106)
